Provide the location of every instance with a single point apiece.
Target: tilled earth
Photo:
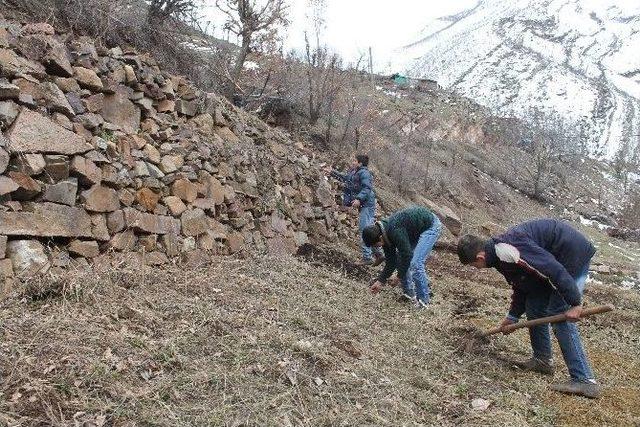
(289, 341)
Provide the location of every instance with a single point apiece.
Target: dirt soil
(287, 341)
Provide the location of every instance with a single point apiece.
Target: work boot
(378, 259)
(534, 364)
(586, 389)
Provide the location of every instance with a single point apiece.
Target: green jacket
(401, 232)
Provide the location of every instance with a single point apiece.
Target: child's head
(360, 160)
(372, 235)
(471, 251)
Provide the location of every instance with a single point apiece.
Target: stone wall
(101, 150)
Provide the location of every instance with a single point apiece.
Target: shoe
(586, 389)
(378, 259)
(420, 304)
(534, 364)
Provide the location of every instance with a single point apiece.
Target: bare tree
(161, 10)
(250, 20)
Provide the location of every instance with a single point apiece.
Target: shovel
(482, 336)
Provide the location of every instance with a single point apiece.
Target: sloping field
(289, 342)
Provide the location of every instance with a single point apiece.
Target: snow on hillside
(575, 57)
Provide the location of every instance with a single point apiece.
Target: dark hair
(371, 234)
(363, 159)
(469, 246)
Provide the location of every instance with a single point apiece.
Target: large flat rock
(149, 223)
(46, 220)
(34, 133)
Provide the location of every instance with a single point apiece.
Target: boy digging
(546, 262)
(407, 238)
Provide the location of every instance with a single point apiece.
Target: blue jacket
(537, 256)
(358, 185)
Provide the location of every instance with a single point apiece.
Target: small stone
(166, 106)
(170, 164)
(147, 198)
(126, 197)
(216, 191)
(88, 78)
(27, 257)
(100, 199)
(86, 170)
(480, 404)
(151, 153)
(99, 227)
(63, 192)
(149, 242)
(121, 112)
(194, 222)
(150, 223)
(124, 241)
(27, 189)
(175, 205)
(84, 248)
(8, 113)
(7, 185)
(89, 120)
(235, 242)
(115, 221)
(186, 108)
(171, 244)
(56, 168)
(189, 244)
(67, 84)
(141, 169)
(185, 190)
(8, 90)
(94, 103)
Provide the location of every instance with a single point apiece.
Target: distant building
(419, 84)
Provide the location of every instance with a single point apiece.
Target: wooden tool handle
(549, 319)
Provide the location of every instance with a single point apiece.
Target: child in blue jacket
(546, 262)
(358, 193)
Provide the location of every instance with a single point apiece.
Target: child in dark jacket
(546, 262)
(407, 238)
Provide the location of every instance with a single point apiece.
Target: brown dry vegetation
(287, 341)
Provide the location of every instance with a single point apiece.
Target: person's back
(410, 222)
(568, 246)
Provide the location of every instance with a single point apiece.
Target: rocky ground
(290, 341)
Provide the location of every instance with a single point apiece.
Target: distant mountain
(579, 58)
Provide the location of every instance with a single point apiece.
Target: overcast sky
(354, 25)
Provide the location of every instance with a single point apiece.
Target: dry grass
(280, 341)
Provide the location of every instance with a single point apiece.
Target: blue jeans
(367, 217)
(548, 304)
(417, 274)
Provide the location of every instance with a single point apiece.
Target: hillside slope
(572, 57)
(293, 342)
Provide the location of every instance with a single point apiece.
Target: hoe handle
(549, 319)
